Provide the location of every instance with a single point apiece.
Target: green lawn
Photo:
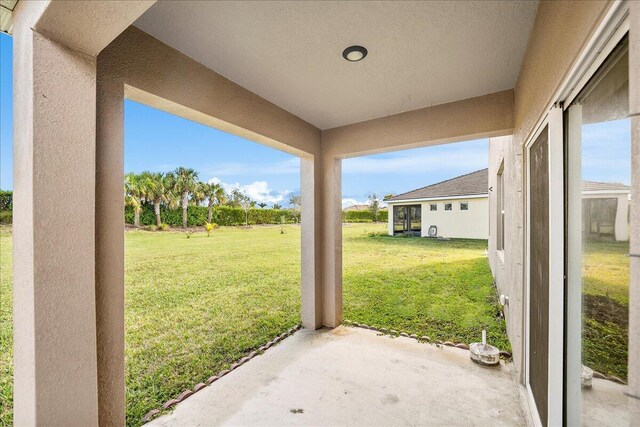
(442, 289)
(605, 271)
(194, 306)
(6, 327)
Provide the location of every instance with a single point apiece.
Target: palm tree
(214, 194)
(296, 203)
(172, 199)
(157, 191)
(262, 205)
(134, 195)
(185, 182)
(245, 203)
(198, 195)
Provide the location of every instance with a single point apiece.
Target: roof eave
(430, 199)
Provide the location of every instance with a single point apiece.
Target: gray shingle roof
(604, 186)
(471, 184)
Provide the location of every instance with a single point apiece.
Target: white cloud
(350, 202)
(258, 191)
(442, 159)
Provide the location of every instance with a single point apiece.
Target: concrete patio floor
(605, 404)
(351, 376)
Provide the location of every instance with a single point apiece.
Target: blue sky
(158, 141)
(6, 113)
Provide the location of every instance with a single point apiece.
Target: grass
(194, 306)
(442, 289)
(605, 272)
(6, 327)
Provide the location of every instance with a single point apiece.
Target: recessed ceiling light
(354, 53)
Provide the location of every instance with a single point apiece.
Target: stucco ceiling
(420, 53)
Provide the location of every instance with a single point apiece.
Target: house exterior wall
(622, 219)
(56, 343)
(560, 32)
(160, 76)
(507, 265)
(472, 118)
(634, 241)
(456, 223)
(139, 67)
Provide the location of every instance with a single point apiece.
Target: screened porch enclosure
(407, 220)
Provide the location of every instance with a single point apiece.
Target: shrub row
(6, 217)
(6, 200)
(222, 215)
(364, 216)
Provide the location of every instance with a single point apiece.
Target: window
(500, 208)
(447, 206)
(433, 207)
(464, 206)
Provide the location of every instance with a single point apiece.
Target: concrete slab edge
(423, 339)
(199, 386)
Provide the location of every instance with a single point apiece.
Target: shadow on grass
(605, 335)
(385, 239)
(445, 300)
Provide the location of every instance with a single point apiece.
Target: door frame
(406, 222)
(564, 407)
(553, 122)
(613, 29)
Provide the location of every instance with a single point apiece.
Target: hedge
(6, 200)
(197, 216)
(364, 216)
(6, 217)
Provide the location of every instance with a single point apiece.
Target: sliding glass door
(599, 178)
(544, 271)
(538, 336)
(407, 219)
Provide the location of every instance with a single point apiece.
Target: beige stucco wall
(559, 34)
(634, 242)
(148, 71)
(456, 223)
(139, 67)
(55, 340)
(162, 77)
(464, 120)
(507, 265)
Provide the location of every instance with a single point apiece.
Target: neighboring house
(605, 210)
(457, 207)
(356, 208)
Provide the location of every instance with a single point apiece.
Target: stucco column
(54, 244)
(621, 227)
(310, 185)
(390, 219)
(109, 255)
(634, 247)
(332, 240)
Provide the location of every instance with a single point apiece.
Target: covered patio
(352, 376)
(273, 72)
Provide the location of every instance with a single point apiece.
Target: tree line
(182, 188)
